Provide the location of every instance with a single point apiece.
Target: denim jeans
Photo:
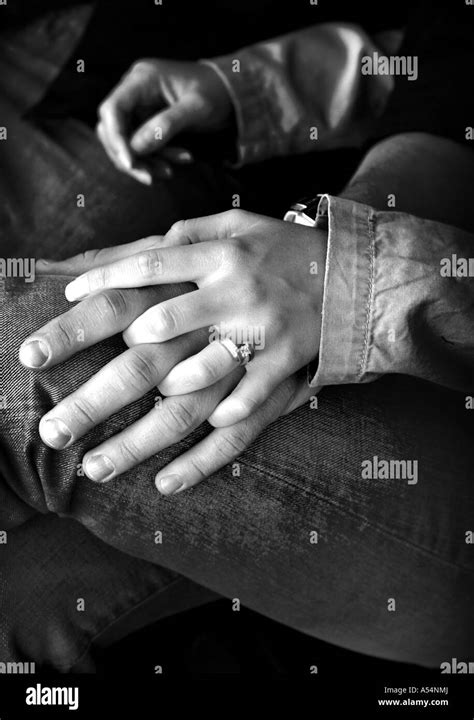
(250, 537)
(380, 566)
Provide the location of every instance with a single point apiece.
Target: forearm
(394, 301)
(304, 91)
(420, 174)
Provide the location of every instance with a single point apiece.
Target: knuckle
(236, 215)
(207, 373)
(178, 228)
(129, 452)
(182, 415)
(104, 108)
(248, 405)
(199, 467)
(97, 278)
(239, 253)
(288, 354)
(256, 292)
(89, 257)
(231, 444)
(84, 410)
(149, 264)
(63, 333)
(166, 320)
(140, 66)
(111, 304)
(139, 371)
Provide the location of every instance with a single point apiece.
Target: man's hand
(131, 375)
(154, 101)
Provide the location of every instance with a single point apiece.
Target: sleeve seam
(370, 296)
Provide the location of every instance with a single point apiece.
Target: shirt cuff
(257, 138)
(348, 292)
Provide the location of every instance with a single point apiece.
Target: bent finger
(222, 446)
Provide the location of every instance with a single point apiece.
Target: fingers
(90, 259)
(111, 131)
(257, 385)
(166, 424)
(175, 263)
(211, 227)
(114, 114)
(124, 161)
(96, 318)
(177, 316)
(153, 135)
(206, 368)
(126, 378)
(155, 266)
(178, 155)
(222, 446)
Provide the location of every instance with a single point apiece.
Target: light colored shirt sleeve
(398, 297)
(305, 91)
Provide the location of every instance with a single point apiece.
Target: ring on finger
(242, 354)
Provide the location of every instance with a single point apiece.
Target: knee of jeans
(58, 474)
(42, 477)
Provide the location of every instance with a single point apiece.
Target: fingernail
(34, 353)
(99, 468)
(184, 156)
(42, 262)
(169, 484)
(77, 289)
(55, 434)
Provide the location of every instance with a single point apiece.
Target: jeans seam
(108, 624)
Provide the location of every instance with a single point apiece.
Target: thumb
(161, 128)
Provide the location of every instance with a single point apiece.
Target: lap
(60, 195)
(252, 535)
(64, 592)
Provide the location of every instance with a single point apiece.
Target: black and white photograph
(237, 354)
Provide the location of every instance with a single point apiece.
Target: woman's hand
(259, 281)
(154, 101)
(131, 375)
